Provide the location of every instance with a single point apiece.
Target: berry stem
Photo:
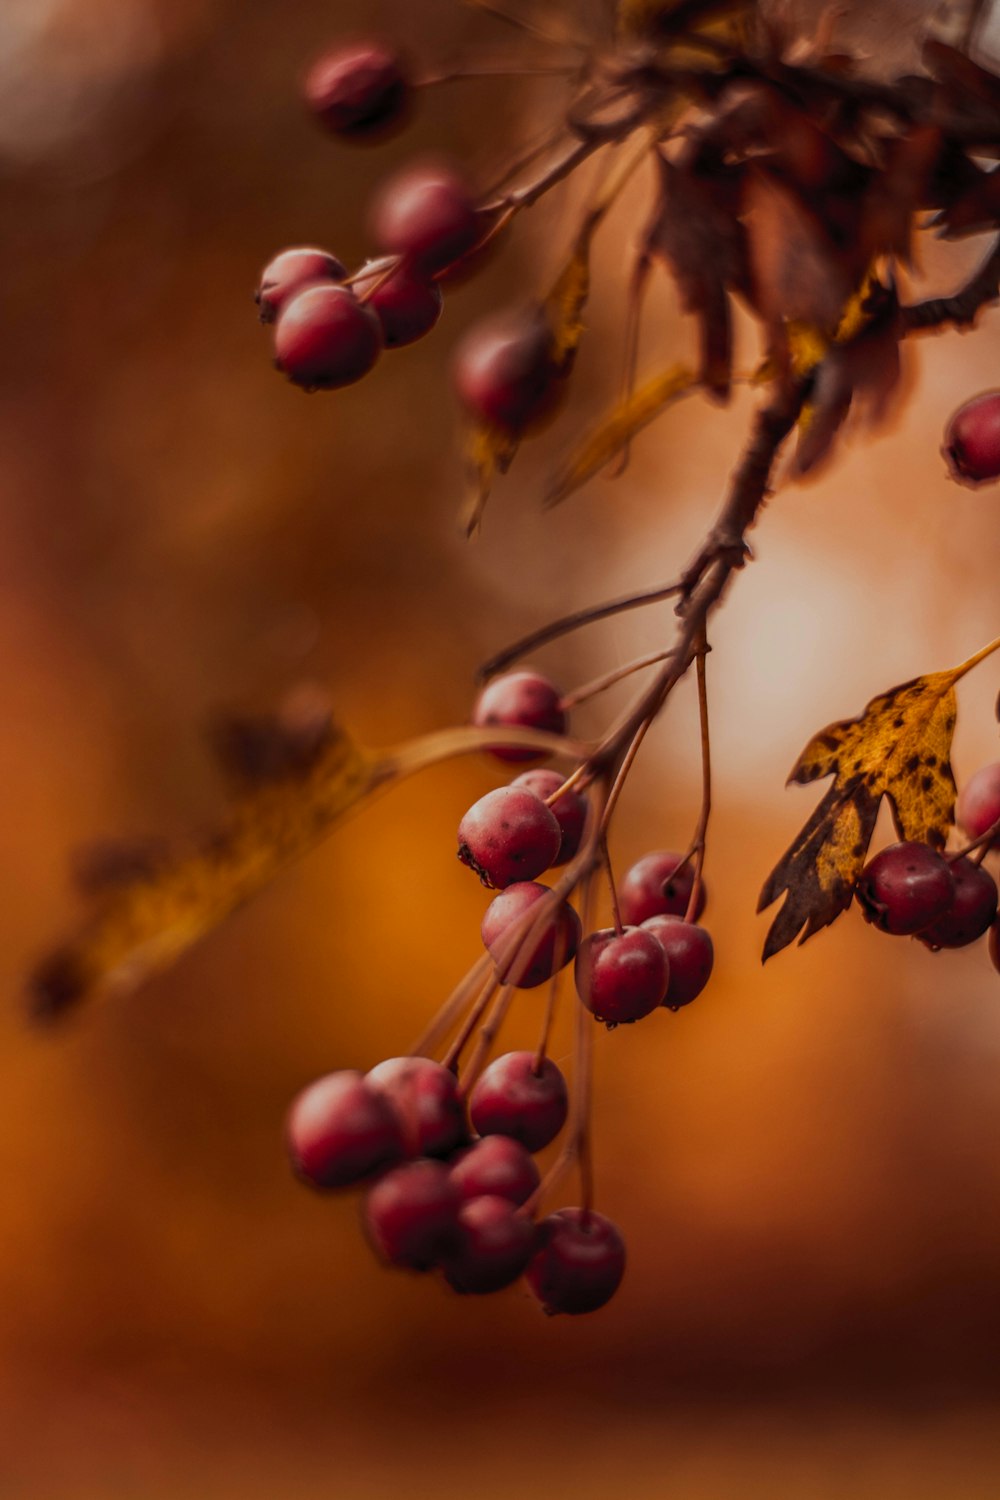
(459, 75)
(476, 1012)
(433, 1035)
(568, 623)
(486, 1038)
(698, 842)
(568, 40)
(609, 679)
(616, 915)
(980, 846)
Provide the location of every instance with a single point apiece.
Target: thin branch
(961, 308)
(575, 621)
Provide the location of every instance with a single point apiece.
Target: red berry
(972, 441)
(570, 809)
(406, 303)
(555, 946)
(504, 373)
(425, 1097)
(290, 272)
(523, 700)
(973, 908)
(905, 888)
(340, 1131)
(994, 945)
(324, 338)
(979, 803)
(359, 90)
(690, 956)
(498, 1166)
(621, 976)
(508, 835)
(511, 1098)
(411, 1215)
(427, 214)
(580, 1264)
(496, 1246)
(654, 887)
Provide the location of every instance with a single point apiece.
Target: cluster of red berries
(910, 890)
(330, 326)
(439, 1199)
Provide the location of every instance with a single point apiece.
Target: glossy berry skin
(496, 1246)
(654, 887)
(360, 91)
(569, 810)
(554, 948)
(496, 1166)
(507, 836)
(291, 272)
(504, 374)
(524, 700)
(512, 1099)
(580, 1264)
(621, 976)
(427, 214)
(690, 956)
(325, 339)
(424, 1095)
(905, 888)
(978, 806)
(972, 441)
(340, 1131)
(411, 1215)
(406, 303)
(973, 908)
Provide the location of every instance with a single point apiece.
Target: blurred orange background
(805, 1164)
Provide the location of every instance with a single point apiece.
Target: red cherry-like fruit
(523, 700)
(427, 214)
(406, 303)
(621, 976)
(978, 806)
(972, 441)
(324, 338)
(504, 372)
(411, 1215)
(569, 809)
(341, 1132)
(554, 947)
(690, 956)
(972, 910)
(905, 888)
(424, 1095)
(498, 1166)
(496, 1245)
(360, 90)
(290, 272)
(507, 836)
(655, 886)
(513, 1098)
(580, 1264)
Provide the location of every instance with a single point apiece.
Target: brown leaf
(799, 272)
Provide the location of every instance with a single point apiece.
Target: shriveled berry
(621, 976)
(426, 213)
(324, 338)
(656, 887)
(425, 1097)
(406, 303)
(411, 1215)
(504, 372)
(580, 1264)
(973, 908)
(972, 441)
(570, 808)
(555, 946)
(359, 90)
(496, 1165)
(513, 1098)
(496, 1245)
(340, 1131)
(978, 806)
(508, 835)
(690, 956)
(524, 700)
(290, 272)
(905, 888)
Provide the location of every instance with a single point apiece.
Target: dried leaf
(899, 748)
(617, 429)
(800, 274)
(490, 453)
